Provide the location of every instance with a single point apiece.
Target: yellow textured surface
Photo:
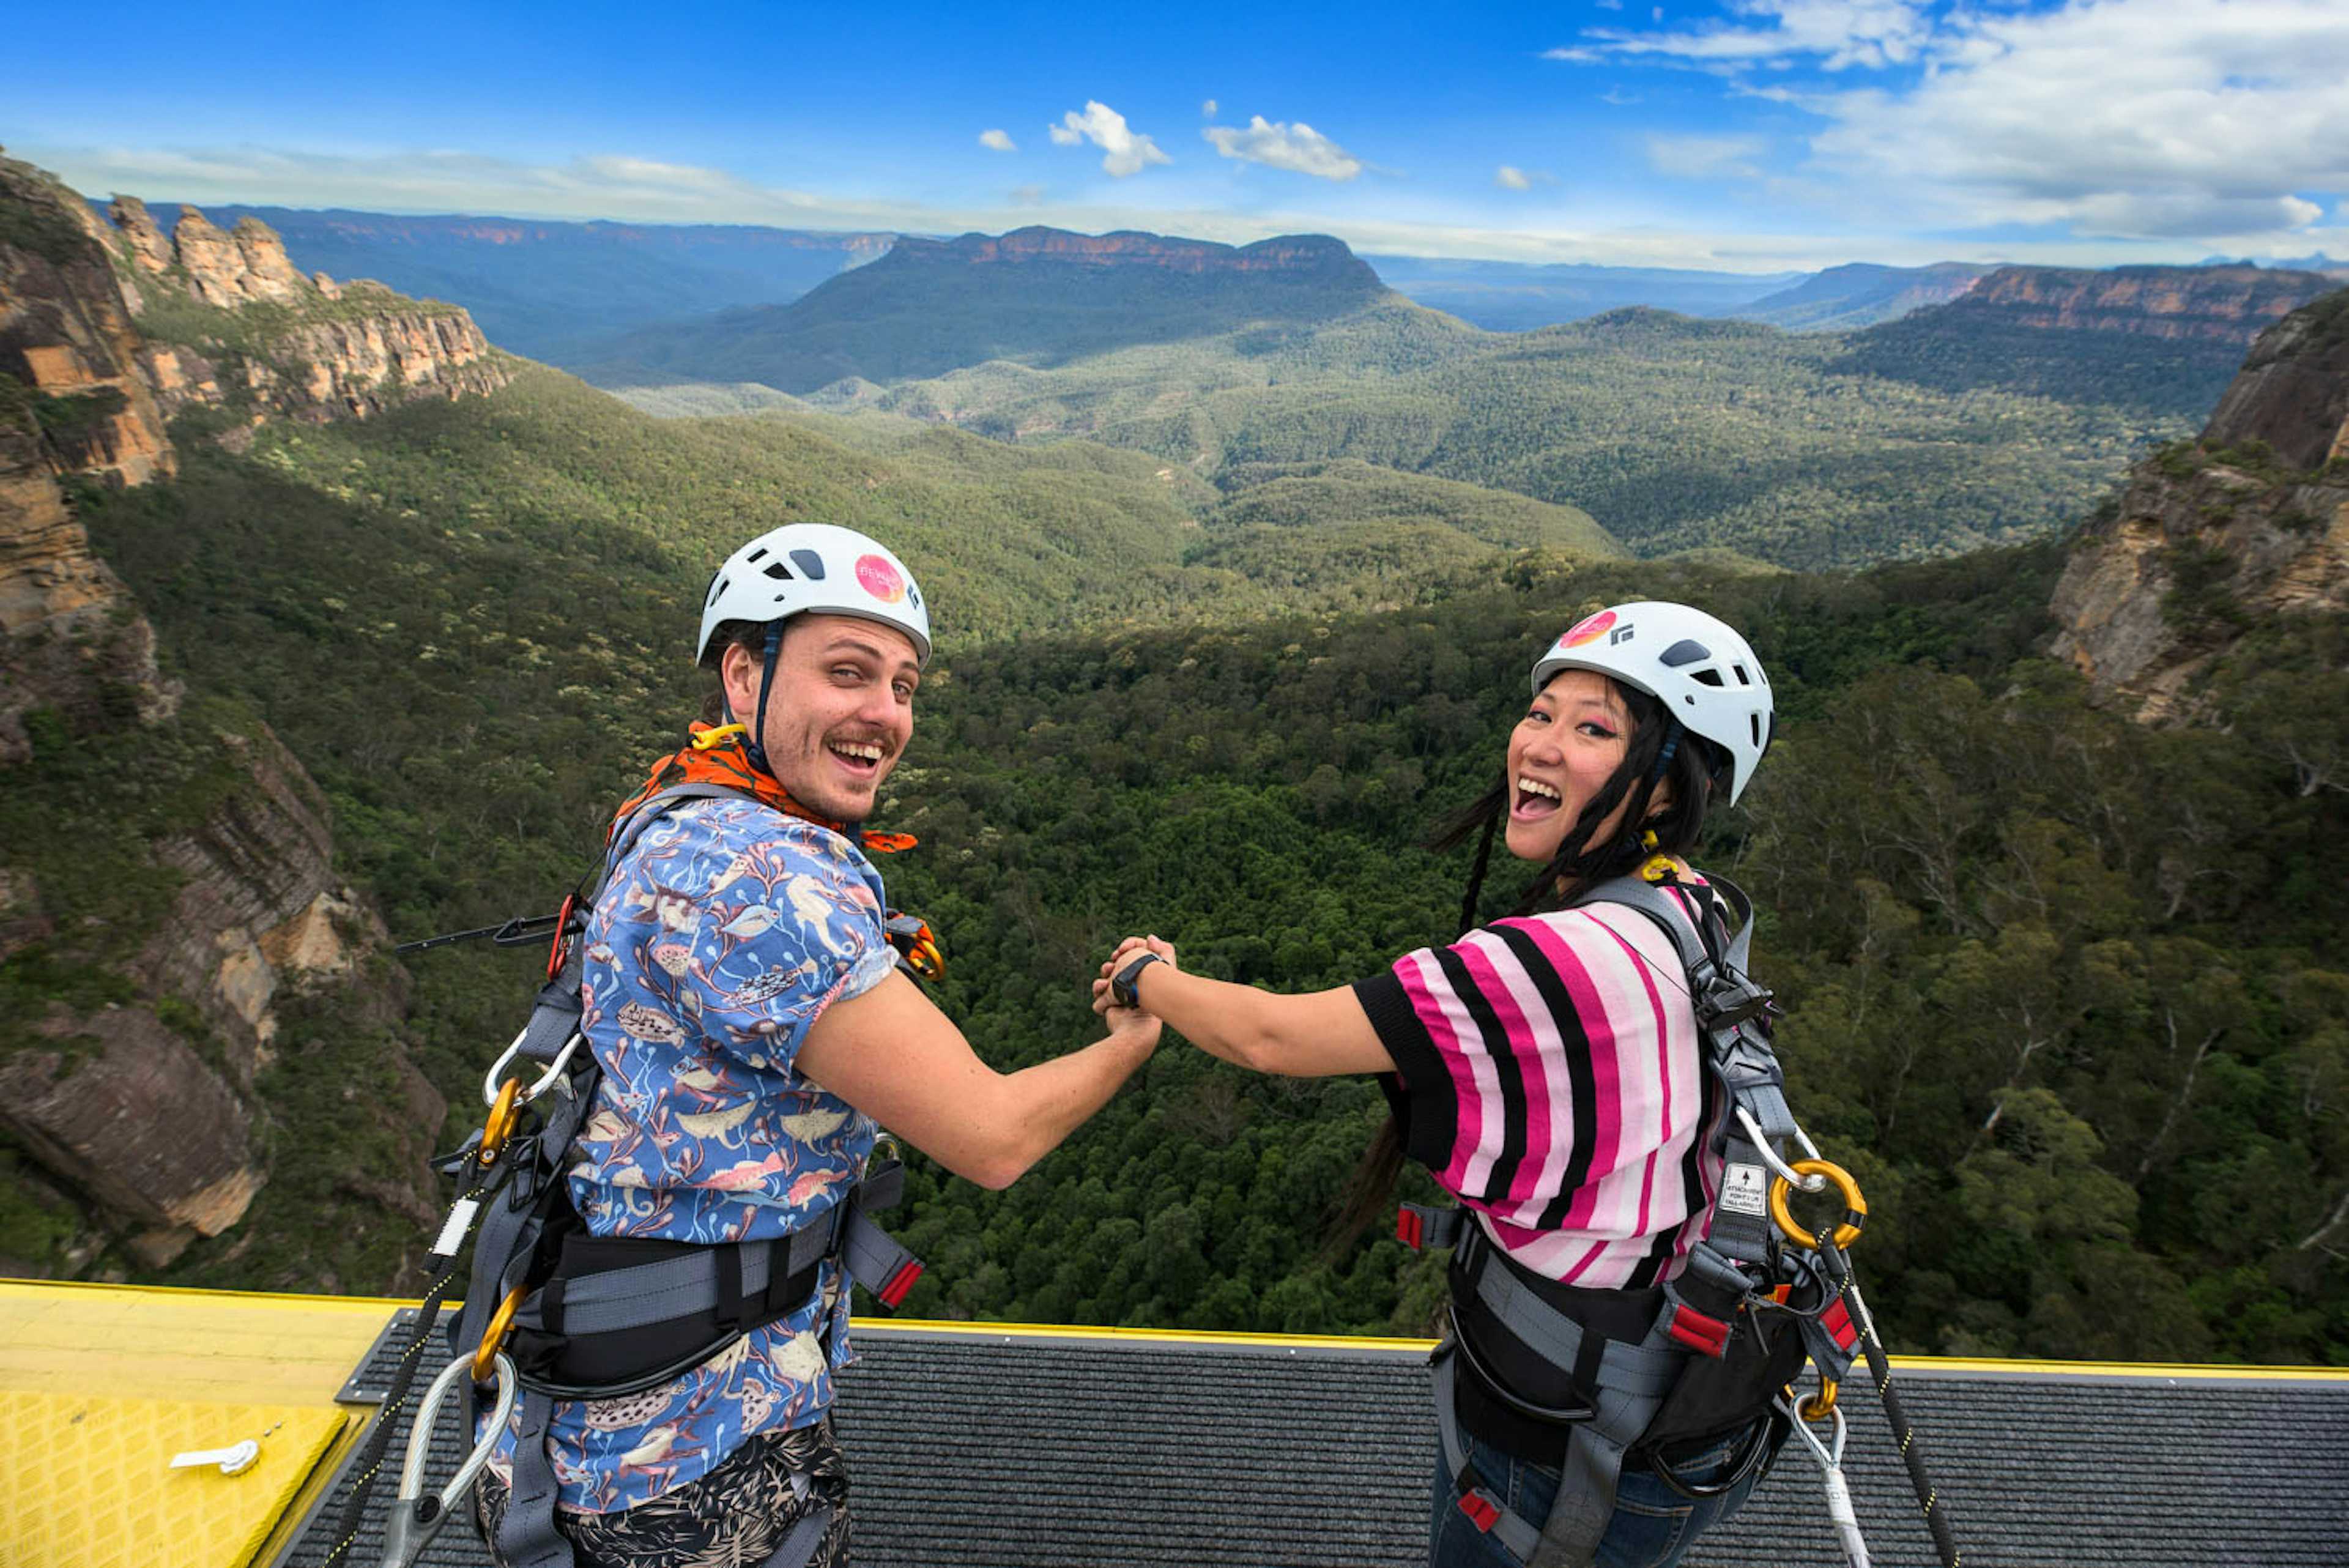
(181, 1344)
(86, 1479)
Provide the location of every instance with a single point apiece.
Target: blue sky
(1754, 135)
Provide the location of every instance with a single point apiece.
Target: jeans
(1653, 1526)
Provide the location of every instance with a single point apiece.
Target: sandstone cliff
(2221, 303)
(2208, 538)
(134, 1102)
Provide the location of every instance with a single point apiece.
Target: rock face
(72, 402)
(2223, 304)
(146, 1112)
(2258, 506)
(2294, 392)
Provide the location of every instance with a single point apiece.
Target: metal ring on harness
(493, 1348)
(1855, 1207)
(540, 1085)
(500, 1127)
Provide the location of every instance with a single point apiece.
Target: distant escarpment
(167, 887)
(2152, 343)
(1034, 296)
(1317, 258)
(2230, 304)
(2229, 536)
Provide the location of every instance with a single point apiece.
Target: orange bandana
(716, 756)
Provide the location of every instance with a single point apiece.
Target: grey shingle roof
(1025, 1448)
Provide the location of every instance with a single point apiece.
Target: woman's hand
(1103, 1004)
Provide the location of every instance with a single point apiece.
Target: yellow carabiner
(1821, 1405)
(494, 1337)
(501, 1124)
(717, 735)
(1855, 1207)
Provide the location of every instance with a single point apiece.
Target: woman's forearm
(1306, 1035)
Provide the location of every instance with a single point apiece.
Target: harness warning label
(1746, 1189)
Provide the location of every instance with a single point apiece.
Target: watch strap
(1122, 984)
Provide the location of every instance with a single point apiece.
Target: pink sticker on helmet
(1589, 630)
(880, 579)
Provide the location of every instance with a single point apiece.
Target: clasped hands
(1107, 1005)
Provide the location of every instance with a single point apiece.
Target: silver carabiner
(415, 1518)
(544, 1080)
(1830, 1457)
(1777, 1163)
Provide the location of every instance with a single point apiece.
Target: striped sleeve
(1536, 1066)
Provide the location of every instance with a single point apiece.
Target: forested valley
(2061, 988)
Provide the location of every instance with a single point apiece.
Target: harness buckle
(1410, 1229)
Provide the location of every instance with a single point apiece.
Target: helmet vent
(1687, 651)
(1708, 678)
(1755, 720)
(755, 557)
(1742, 679)
(778, 571)
(810, 563)
(716, 588)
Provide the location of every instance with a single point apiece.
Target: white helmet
(804, 568)
(1704, 674)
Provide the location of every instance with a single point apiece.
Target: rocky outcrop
(72, 403)
(226, 271)
(2294, 392)
(121, 1108)
(2249, 522)
(2221, 303)
(146, 1112)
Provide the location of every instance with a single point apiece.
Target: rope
(1937, 1517)
(369, 1461)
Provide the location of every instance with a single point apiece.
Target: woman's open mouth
(1535, 799)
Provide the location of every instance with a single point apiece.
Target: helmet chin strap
(754, 744)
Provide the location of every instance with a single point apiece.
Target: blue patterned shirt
(718, 941)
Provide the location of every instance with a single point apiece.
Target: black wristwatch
(1120, 984)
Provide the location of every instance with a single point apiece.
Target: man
(746, 1009)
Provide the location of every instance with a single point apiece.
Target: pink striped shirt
(1551, 1076)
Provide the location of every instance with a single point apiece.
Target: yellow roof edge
(379, 1304)
(1353, 1342)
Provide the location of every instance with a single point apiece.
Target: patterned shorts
(734, 1516)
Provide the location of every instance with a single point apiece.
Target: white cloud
(1207, 108)
(2127, 118)
(1705, 157)
(1509, 177)
(1618, 97)
(1280, 145)
(1124, 151)
(999, 140)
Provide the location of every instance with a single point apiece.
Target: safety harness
(1619, 1376)
(554, 1314)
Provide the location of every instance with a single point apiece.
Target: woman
(1547, 1070)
